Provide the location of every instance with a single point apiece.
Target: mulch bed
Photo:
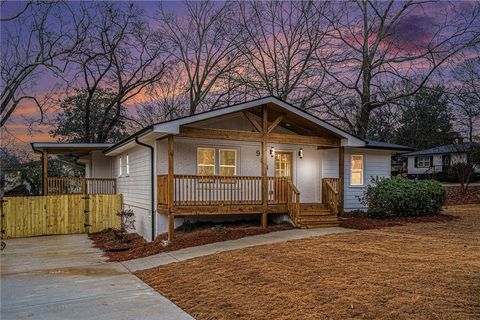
(138, 247)
(366, 223)
(454, 196)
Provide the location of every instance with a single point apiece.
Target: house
(435, 162)
(262, 157)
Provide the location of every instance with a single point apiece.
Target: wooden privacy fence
(27, 216)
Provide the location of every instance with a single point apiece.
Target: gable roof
(165, 128)
(371, 144)
(446, 149)
(173, 126)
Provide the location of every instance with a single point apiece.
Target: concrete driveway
(64, 277)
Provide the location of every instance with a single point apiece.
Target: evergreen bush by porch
(400, 197)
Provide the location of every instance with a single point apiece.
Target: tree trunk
(363, 118)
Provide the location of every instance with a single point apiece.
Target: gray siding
(376, 164)
(136, 188)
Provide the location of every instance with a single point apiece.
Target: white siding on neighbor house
(437, 162)
(377, 163)
(136, 187)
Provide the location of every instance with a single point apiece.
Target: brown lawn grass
(416, 271)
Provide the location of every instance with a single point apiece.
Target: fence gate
(27, 216)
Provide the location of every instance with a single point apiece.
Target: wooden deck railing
(74, 185)
(193, 190)
(330, 193)
(293, 201)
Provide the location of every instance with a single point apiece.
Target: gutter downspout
(152, 156)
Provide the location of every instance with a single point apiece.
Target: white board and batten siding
(136, 186)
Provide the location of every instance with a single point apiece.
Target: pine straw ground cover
(415, 271)
(204, 234)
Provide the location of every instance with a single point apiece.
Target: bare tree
(166, 100)
(17, 14)
(375, 49)
(35, 41)
(202, 41)
(279, 41)
(467, 95)
(121, 53)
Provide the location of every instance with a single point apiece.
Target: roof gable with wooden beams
(281, 115)
(289, 124)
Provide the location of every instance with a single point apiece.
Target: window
(228, 162)
(206, 161)
(356, 170)
(127, 165)
(423, 162)
(119, 166)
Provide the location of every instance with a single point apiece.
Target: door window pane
(283, 164)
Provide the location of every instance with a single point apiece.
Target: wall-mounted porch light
(300, 153)
(272, 151)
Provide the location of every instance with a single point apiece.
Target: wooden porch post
(170, 188)
(341, 176)
(45, 173)
(264, 167)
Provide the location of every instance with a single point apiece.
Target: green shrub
(399, 197)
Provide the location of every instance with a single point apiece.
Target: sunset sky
(413, 29)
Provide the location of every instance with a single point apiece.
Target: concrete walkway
(208, 249)
(64, 277)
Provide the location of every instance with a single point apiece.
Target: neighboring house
(435, 162)
(262, 157)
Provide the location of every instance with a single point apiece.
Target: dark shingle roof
(449, 148)
(384, 145)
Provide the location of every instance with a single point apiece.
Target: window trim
(361, 170)
(220, 166)
(207, 165)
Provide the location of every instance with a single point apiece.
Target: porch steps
(315, 215)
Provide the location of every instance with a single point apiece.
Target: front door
(283, 169)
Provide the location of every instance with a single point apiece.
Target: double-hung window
(127, 165)
(356, 170)
(228, 162)
(206, 161)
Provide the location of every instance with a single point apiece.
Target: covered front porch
(273, 133)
